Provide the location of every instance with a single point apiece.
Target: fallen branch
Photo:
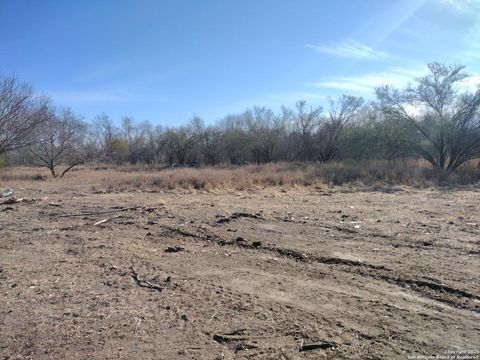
(240, 341)
(106, 220)
(14, 200)
(320, 345)
(100, 212)
(174, 249)
(144, 283)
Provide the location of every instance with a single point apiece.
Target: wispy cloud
(461, 6)
(366, 83)
(472, 83)
(351, 49)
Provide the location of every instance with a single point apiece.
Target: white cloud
(472, 80)
(471, 83)
(351, 49)
(366, 83)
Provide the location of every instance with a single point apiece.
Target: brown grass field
(369, 262)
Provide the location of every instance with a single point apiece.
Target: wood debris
(144, 283)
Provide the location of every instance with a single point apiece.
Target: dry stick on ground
(316, 346)
(106, 220)
(14, 200)
(100, 212)
(144, 283)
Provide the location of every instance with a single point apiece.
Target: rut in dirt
(436, 291)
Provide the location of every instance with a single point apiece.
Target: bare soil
(257, 274)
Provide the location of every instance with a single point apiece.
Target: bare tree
(211, 145)
(235, 139)
(21, 113)
(156, 144)
(181, 141)
(264, 129)
(106, 134)
(137, 136)
(447, 121)
(59, 142)
(306, 121)
(128, 128)
(341, 115)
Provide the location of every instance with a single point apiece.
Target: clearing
(258, 274)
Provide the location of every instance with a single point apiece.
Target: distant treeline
(435, 118)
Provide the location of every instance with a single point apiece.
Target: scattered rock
(71, 313)
(221, 219)
(7, 193)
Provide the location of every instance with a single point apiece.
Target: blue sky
(167, 60)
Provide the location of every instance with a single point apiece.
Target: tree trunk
(52, 170)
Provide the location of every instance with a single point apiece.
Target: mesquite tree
(446, 120)
(340, 115)
(59, 141)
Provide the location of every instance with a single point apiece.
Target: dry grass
(285, 175)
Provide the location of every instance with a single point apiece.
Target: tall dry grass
(127, 178)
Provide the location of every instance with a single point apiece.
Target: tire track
(437, 291)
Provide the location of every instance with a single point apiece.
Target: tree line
(434, 118)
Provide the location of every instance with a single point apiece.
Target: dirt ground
(259, 274)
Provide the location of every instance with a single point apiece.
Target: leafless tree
(341, 114)
(447, 120)
(21, 113)
(306, 120)
(211, 145)
(59, 142)
(235, 138)
(128, 128)
(181, 141)
(106, 133)
(264, 129)
(156, 144)
(137, 135)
